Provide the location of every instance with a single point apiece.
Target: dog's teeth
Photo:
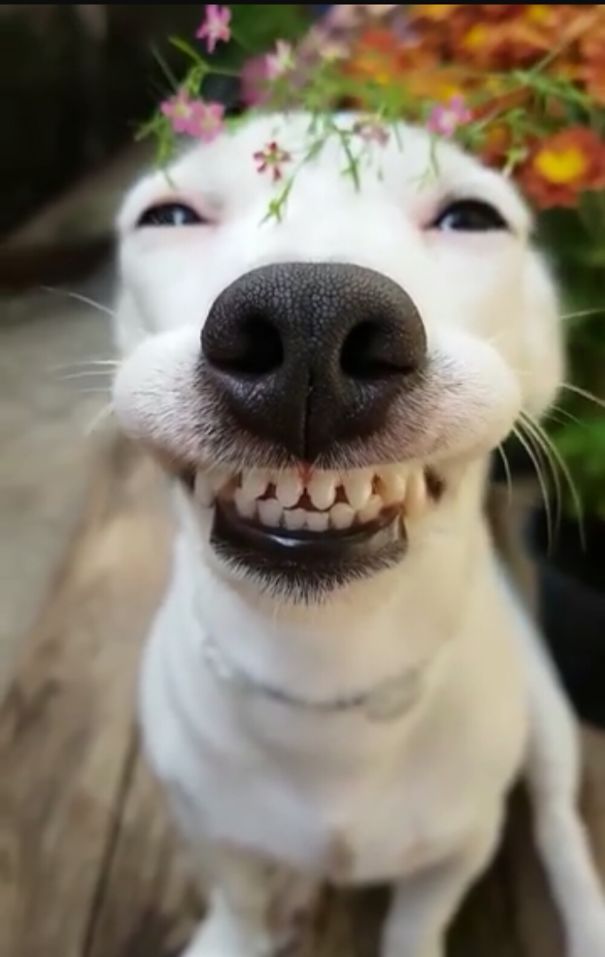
(288, 488)
(294, 518)
(246, 506)
(254, 483)
(270, 512)
(392, 487)
(416, 495)
(203, 491)
(358, 488)
(317, 521)
(342, 515)
(322, 489)
(370, 511)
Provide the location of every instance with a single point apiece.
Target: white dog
(341, 685)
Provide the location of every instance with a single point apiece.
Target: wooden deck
(88, 864)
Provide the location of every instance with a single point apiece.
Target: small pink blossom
(215, 26)
(445, 118)
(372, 130)
(194, 117)
(272, 158)
(254, 80)
(281, 61)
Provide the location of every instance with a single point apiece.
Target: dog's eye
(170, 214)
(470, 216)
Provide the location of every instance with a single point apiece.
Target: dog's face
(319, 384)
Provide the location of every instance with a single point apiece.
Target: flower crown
(522, 86)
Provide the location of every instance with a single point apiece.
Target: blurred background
(75, 83)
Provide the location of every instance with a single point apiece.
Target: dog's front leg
(424, 903)
(257, 908)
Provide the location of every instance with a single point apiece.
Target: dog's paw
(217, 938)
(213, 940)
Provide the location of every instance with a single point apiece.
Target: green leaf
(189, 51)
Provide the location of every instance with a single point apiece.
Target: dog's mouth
(313, 528)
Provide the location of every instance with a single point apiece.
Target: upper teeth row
(325, 499)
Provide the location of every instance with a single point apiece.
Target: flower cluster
(522, 85)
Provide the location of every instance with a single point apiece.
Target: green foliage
(575, 242)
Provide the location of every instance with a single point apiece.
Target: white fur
(274, 800)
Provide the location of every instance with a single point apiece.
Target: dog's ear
(543, 345)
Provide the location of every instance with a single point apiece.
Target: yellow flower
(477, 37)
(564, 166)
(561, 165)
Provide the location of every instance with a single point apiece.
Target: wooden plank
(147, 903)
(65, 724)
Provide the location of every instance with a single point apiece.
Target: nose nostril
(254, 348)
(370, 352)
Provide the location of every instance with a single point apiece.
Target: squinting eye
(469, 216)
(170, 214)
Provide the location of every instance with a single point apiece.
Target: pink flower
(281, 61)
(272, 157)
(445, 118)
(372, 130)
(215, 26)
(194, 117)
(254, 79)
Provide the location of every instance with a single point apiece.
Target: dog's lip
(356, 543)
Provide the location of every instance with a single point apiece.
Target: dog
(341, 684)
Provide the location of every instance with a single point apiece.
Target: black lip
(308, 562)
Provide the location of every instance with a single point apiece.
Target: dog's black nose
(308, 354)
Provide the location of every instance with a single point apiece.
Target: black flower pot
(571, 597)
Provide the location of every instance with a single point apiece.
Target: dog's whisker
(582, 313)
(79, 297)
(507, 471)
(92, 363)
(533, 435)
(94, 391)
(584, 393)
(87, 374)
(557, 410)
(98, 419)
(566, 472)
(523, 440)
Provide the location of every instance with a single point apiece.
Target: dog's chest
(346, 798)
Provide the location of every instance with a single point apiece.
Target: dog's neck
(364, 633)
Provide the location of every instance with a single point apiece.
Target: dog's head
(322, 384)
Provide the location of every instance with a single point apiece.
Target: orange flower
(592, 52)
(593, 75)
(380, 56)
(560, 168)
(495, 146)
(437, 12)
(498, 36)
(439, 84)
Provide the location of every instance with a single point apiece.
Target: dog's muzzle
(308, 357)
